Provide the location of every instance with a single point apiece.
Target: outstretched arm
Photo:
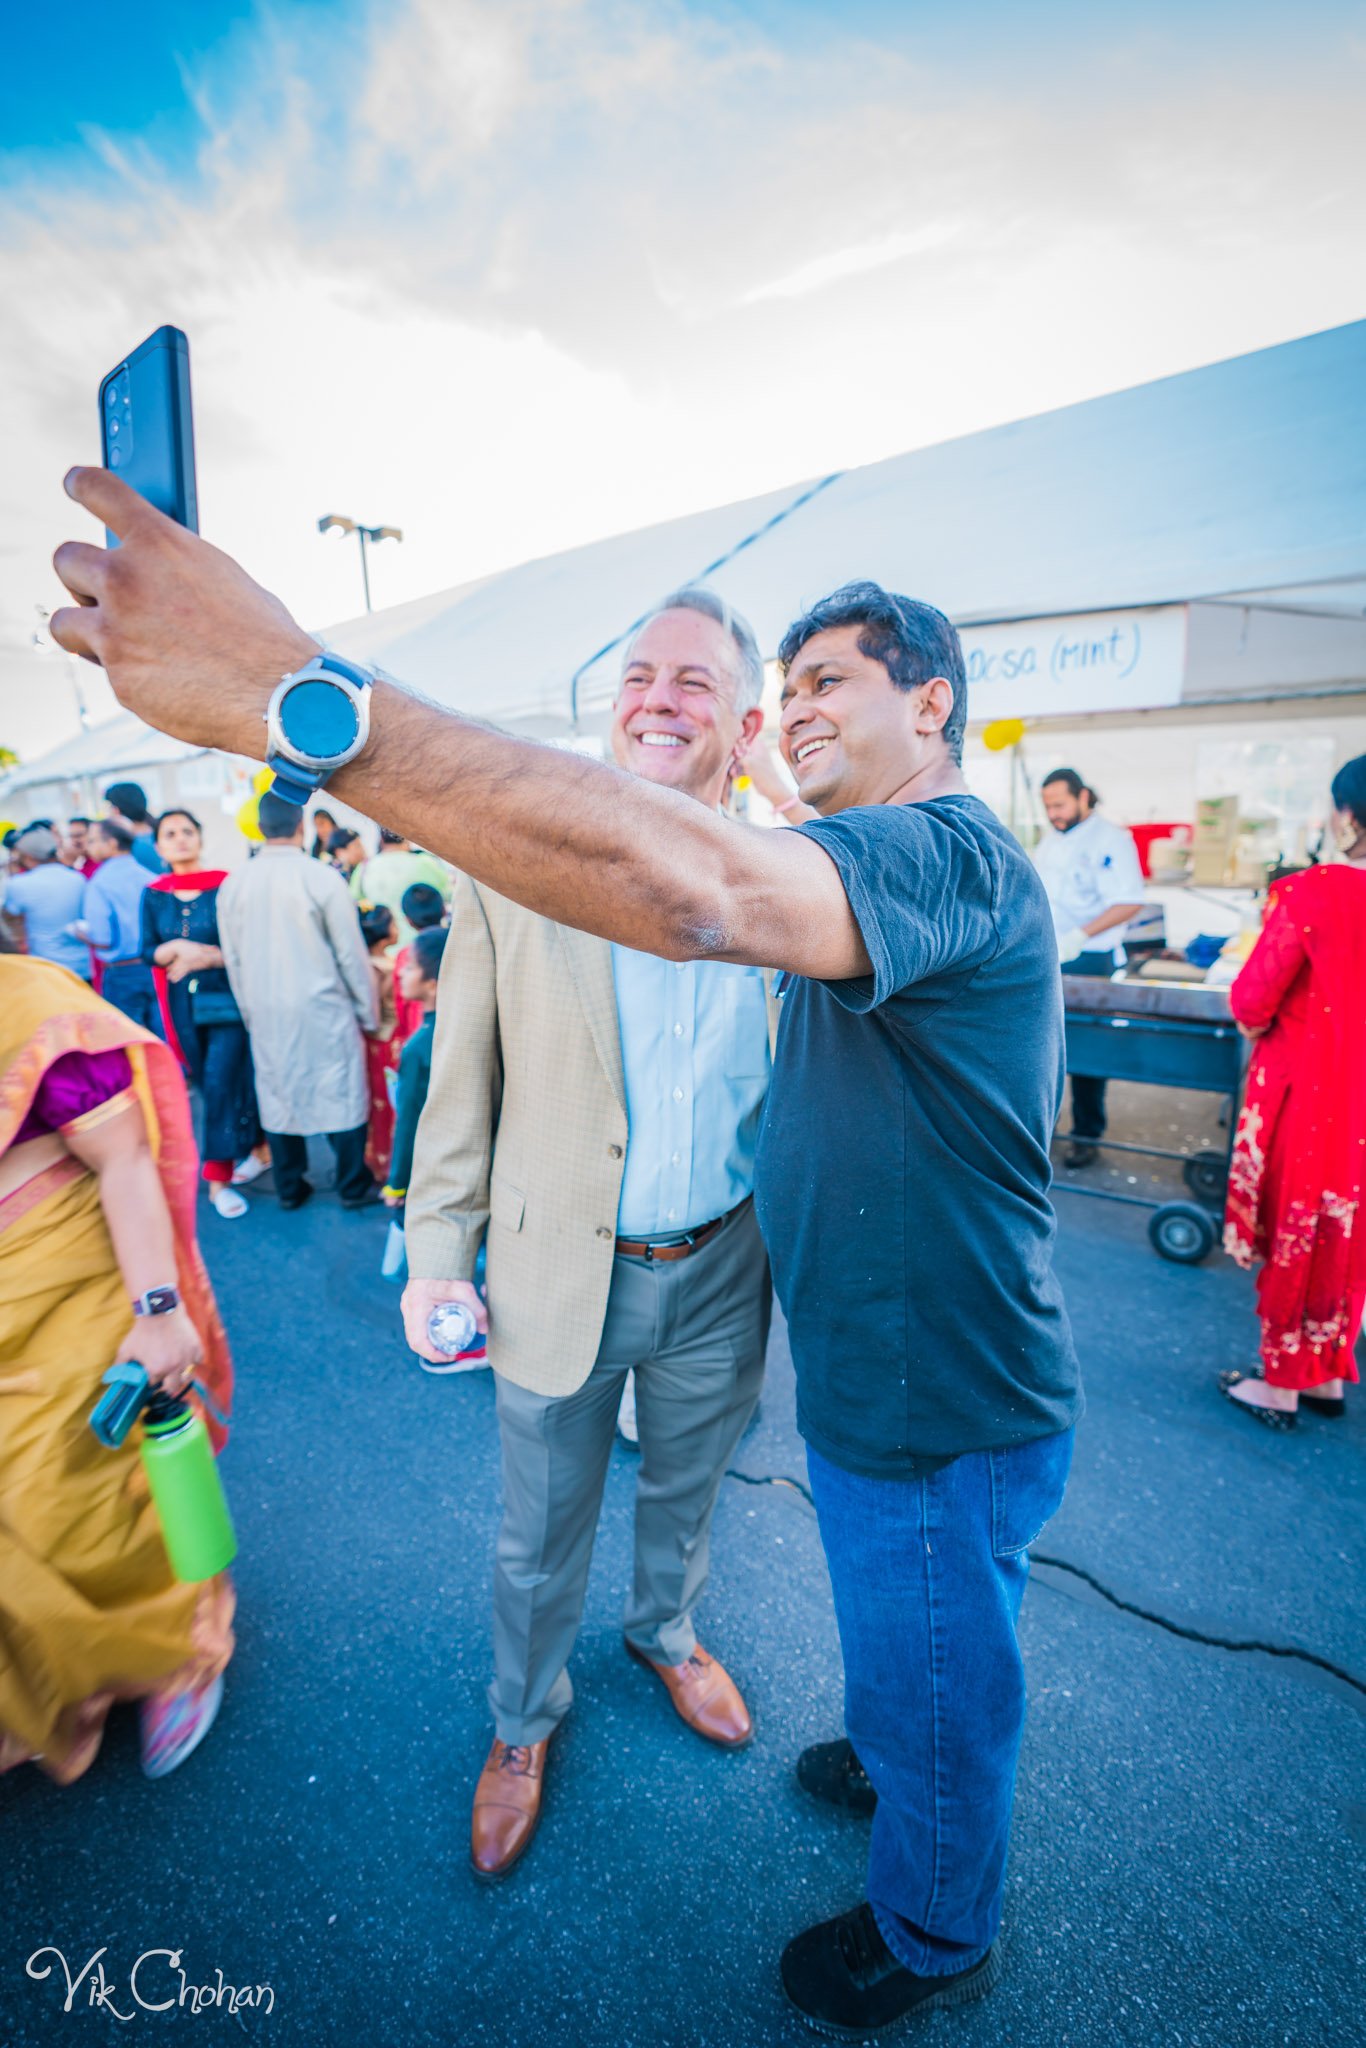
(192, 645)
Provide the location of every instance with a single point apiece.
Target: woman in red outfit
(1299, 1161)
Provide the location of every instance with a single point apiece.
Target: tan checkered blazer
(524, 1134)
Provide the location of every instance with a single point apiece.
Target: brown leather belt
(663, 1249)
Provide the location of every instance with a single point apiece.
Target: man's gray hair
(38, 843)
(748, 666)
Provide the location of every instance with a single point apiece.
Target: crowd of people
(125, 902)
(625, 1084)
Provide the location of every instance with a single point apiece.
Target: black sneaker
(297, 1200)
(832, 1772)
(844, 1980)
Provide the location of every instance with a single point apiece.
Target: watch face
(319, 719)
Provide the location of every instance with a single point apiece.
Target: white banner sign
(1096, 661)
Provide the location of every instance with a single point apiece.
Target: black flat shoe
(844, 1980)
(1080, 1152)
(1331, 1406)
(305, 1194)
(830, 1771)
(1270, 1418)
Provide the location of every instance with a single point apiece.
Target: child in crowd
(418, 978)
(425, 911)
(381, 1044)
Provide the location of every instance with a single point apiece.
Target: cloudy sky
(512, 274)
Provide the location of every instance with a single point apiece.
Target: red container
(1144, 835)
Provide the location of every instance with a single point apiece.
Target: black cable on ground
(772, 1479)
(1173, 1628)
(1195, 1635)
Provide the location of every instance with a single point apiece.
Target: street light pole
(365, 535)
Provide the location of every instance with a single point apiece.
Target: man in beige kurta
(299, 969)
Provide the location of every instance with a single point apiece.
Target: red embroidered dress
(1299, 1159)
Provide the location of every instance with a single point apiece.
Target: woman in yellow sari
(98, 1174)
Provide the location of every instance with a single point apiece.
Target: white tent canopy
(1244, 481)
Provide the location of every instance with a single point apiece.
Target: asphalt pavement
(1189, 1854)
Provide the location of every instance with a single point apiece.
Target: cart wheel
(1206, 1175)
(1182, 1233)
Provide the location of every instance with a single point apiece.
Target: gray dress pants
(695, 1331)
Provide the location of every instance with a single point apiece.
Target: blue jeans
(928, 1575)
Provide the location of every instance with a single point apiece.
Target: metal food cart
(1166, 1035)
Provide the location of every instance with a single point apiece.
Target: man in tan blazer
(575, 1079)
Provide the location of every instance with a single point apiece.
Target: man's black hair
(1072, 783)
(421, 904)
(1349, 789)
(912, 640)
(388, 838)
(131, 799)
(343, 836)
(428, 948)
(80, 821)
(120, 834)
(277, 817)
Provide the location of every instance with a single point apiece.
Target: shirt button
(678, 1030)
(676, 1158)
(603, 1231)
(678, 1094)
(672, 1216)
(614, 1151)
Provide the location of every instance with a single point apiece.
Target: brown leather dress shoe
(507, 1806)
(705, 1696)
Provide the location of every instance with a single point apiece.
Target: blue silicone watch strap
(295, 784)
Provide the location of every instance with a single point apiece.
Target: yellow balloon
(262, 780)
(1003, 733)
(248, 819)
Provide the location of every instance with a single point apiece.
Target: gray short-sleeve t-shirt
(903, 1173)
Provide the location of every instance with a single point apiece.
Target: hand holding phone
(147, 428)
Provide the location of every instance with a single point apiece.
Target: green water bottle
(186, 1490)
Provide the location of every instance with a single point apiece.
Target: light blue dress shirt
(113, 908)
(694, 1052)
(50, 898)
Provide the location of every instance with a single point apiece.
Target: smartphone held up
(147, 427)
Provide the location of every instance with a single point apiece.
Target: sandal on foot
(1270, 1418)
(1333, 1406)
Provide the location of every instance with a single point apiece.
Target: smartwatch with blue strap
(317, 720)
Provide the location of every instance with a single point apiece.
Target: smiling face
(179, 843)
(849, 735)
(675, 720)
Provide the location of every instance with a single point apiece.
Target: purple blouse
(72, 1085)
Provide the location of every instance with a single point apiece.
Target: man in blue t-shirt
(902, 1176)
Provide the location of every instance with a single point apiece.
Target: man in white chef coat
(1090, 870)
